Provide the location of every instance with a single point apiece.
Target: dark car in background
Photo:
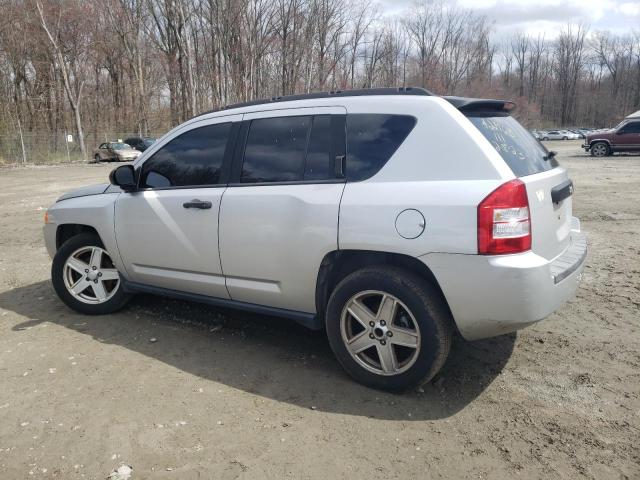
(140, 143)
(625, 137)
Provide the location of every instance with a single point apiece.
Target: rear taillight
(504, 225)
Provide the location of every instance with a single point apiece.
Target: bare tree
(69, 66)
(112, 67)
(519, 49)
(569, 58)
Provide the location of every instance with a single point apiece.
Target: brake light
(504, 224)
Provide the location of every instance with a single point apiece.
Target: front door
(627, 138)
(167, 232)
(280, 217)
(103, 151)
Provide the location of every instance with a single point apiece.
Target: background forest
(105, 69)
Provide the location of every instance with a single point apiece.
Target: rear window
(520, 150)
(371, 141)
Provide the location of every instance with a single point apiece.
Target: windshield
(520, 150)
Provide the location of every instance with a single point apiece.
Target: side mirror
(124, 177)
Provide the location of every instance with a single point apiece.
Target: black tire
(116, 302)
(565, 138)
(429, 309)
(545, 138)
(597, 148)
(97, 158)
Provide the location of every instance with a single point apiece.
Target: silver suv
(389, 217)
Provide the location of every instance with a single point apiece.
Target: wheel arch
(598, 140)
(68, 230)
(337, 264)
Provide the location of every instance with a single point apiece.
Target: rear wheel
(600, 149)
(388, 328)
(85, 278)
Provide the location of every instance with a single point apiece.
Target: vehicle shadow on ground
(265, 356)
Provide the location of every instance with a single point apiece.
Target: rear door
(279, 217)
(540, 172)
(167, 231)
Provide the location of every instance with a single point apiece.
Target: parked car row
(624, 137)
(565, 134)
(119, 151)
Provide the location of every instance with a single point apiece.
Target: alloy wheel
(380, 332)
(90, 276)
(599, 150)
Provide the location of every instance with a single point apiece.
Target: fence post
(24, 155)
(66, 144)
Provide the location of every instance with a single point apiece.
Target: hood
(84, 191)
(601, 132)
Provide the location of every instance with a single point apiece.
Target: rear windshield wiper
(550, 154)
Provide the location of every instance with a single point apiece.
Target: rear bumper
(493, 295)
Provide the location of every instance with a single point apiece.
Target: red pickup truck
(625, 137)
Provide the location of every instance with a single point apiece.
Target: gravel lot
(225, 395)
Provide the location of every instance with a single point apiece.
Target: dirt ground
(225, 395)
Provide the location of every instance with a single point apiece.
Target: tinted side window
(275, 150)
(319, 165)
(193, 158)
(371, 141)
(631, 128)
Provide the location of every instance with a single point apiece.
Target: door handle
(195, 203)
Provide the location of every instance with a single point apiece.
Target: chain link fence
(46, 148)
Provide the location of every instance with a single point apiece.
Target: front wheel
(97, 158)
(85, 278)
(388, 328)
(600, 149)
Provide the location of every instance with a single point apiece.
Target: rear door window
(288, 149)
(318, 165)
(371, 141)
(519, 149)
(275, 149)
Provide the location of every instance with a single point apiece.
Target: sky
(546, 16)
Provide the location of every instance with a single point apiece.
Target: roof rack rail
(333, 93)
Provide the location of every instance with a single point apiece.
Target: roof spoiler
(465, 104)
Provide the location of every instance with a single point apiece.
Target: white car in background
(560, 135)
